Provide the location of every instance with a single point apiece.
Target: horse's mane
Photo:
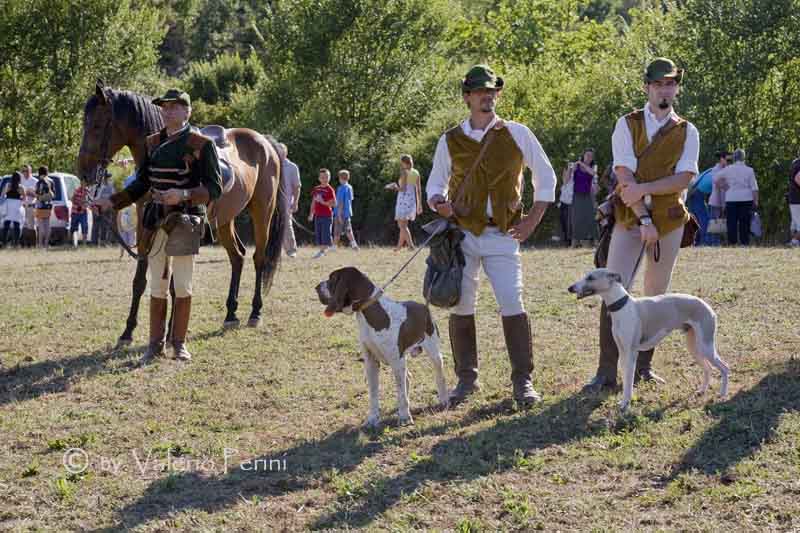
(132, 108)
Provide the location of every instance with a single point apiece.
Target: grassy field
(261, 431)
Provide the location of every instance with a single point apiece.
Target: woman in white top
(408, 204)
(741, 197)
(14, 214)
(565, 205)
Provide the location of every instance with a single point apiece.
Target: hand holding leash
(441, 206)
(649, 234)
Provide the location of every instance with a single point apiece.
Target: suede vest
(498, 177)
(668, 210)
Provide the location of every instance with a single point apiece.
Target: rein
(106, 220)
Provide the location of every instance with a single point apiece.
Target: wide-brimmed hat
(661, 67)
(174, 95)
(481, 77)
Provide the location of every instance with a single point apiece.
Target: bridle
(104, 157)
(103, 161)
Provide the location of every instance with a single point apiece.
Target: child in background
(344, 211)
(323, 200)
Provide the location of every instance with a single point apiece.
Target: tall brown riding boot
(158, 323)
(644, 372)
(180, 326)
(606, 376)
(519, 342)
(464, 342)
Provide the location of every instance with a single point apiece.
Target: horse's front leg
(138, 287)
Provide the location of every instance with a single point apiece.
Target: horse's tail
(276, 228)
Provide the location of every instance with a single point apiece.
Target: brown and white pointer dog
(387, 332)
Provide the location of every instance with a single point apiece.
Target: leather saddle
(235, 192)
(217, 134)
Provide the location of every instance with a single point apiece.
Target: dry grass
(293, 392)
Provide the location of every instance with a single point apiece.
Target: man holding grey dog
(655, 158)
(477, 180)
(182, 173)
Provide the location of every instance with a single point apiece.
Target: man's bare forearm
(537, 212)
(669, 184)
(625, 177)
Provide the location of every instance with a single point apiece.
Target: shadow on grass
(21, 383)
(507, 445)
(306, 464)
(747, 421)
(28, 382)
(488, 451)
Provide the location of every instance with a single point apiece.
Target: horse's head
(102, 137)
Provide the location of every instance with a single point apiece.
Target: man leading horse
(182, 173)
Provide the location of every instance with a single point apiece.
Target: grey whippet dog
(639, 324)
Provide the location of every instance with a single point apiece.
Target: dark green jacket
(185, 160)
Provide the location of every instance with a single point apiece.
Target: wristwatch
(646, 221)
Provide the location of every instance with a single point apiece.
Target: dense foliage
(354, 83)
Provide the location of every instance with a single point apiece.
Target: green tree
(49, 70)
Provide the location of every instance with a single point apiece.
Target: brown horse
(113, 119)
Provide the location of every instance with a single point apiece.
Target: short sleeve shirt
(326, 194)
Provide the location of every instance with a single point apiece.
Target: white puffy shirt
(622, 142)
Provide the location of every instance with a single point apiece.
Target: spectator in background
(584, 178)
(741, 197)
(101, 233)
(565, 205)
(696, 202)
(344, 211)
(609, 179)
(13, 194)
(29, 188)
(126, 220)
(80, 214)
(794, 201)
(43, 207)
(716, 201)
(323, 200)
(408, 204)
(290, 183)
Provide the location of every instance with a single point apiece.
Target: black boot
(606, 377)
(464, 343)
(519, 342)
(644, 371)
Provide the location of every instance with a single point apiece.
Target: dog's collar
(619, 304)
(359, 306)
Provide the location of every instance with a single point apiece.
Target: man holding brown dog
(477, 180)
(655, 158)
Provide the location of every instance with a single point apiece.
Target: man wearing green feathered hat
(655, 158)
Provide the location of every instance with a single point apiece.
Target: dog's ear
(613, 276)
(340, 294)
